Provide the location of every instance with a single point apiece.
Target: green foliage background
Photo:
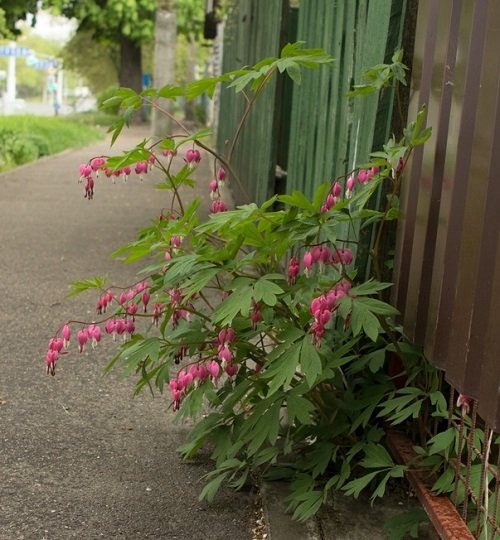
(26, 138)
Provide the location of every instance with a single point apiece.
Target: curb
(279, 523)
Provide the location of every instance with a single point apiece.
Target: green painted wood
(328, 134)
(252, 33)
(331, 135)
(320, 109)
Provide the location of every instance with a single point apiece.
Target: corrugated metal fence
(448, 263)
(448, 254)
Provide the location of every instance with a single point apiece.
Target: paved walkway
(79, 457)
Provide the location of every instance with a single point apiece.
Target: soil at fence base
(345, 518)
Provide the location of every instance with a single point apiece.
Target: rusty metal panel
(447, 267)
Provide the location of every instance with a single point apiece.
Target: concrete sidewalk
(79, 456)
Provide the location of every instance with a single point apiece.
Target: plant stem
(166, 172)
(248, 108)
(227, 166)
(167, 113)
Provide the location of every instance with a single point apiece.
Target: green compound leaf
(398, 527)
(77, 287)
(266, 291)
(310, 361)
(355, 487)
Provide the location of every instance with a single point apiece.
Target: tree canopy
(126, 23)
(13, 11)
(110, 19)
(96, 62)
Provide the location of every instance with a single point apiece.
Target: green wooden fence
(252, 32)
(316, 134)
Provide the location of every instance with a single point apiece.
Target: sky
(54, 28)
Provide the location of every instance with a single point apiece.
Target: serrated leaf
(167, 144)
(266, 290)
(309, 506)
(134, 253)
(422, 138)
(320, 457)
(297, 199)
(437, 399)
(320, 194)
(369, 287)
(362, 318)
(239, 83)
(239, 301)
(266, 455)
(210, 490)
(355, 487)
(307, 57)
(200, 134)
(199, 281)
(299, 408)
(376, 306)
(139, 350)
(283, 369)
(182, 266)
(77, 287)
(128, 158)
(442, 441)
(395, 472)
(202, 86)
(310, 361)
(376, 456)
(293, 71)
(132, 102)
(445, 483)
(395, 404)
(412, 410)
(116, 129)
(398, 527)
(171, 91)
(376, 360)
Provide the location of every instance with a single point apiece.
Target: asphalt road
(79, 456)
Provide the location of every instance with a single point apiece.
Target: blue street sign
(45, 64)
(14, 51)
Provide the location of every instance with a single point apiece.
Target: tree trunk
(164, 62)
(189, 107)
(130, 73)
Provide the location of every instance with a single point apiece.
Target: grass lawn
(25, 138)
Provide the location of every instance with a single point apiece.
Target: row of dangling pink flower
(192, 158)
(323, 307)
(136, 300)
(124, 326)
(363, 176)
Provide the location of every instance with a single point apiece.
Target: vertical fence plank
(485, 337)
(252, 33)
(452, 255)
(427, 24)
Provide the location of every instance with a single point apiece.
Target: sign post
(10, 93)
(12, 52)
